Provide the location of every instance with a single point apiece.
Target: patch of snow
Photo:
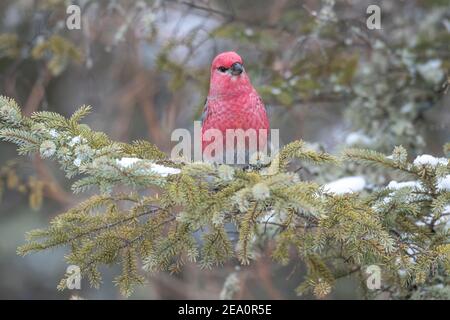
(127, 162)
(431, 71)
(357, 138)
(443, 183)
(77, 162)
(345, 185)
(394, 185)
(163, 170)
(386, 200)
(74, 141)
(445, 221)
(402, 273)
(427, 159)
(154, 168)
(53, 133)
(411, 251)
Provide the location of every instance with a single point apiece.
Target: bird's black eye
(222, 69)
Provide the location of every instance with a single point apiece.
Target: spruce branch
(400, 226)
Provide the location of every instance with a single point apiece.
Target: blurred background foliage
(144, 67)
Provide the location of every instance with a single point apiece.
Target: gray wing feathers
(205, 112)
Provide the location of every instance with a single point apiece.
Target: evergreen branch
(399, 226)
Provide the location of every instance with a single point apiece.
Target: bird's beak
(237, 69)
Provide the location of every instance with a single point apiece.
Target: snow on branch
(345, 185)
(153, 167)
(80, 150)
(426, 159)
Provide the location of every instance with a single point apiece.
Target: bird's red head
(226, 60)
(228, 75)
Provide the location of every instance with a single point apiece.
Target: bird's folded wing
(204, 112)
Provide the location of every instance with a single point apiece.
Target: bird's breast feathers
(236, 112)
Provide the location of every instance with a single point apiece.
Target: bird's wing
(256, 100)
(259, 101)
(205, 112)
(269, 109)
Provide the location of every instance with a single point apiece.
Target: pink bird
(232, 102)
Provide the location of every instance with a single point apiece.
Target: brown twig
(37, 92)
